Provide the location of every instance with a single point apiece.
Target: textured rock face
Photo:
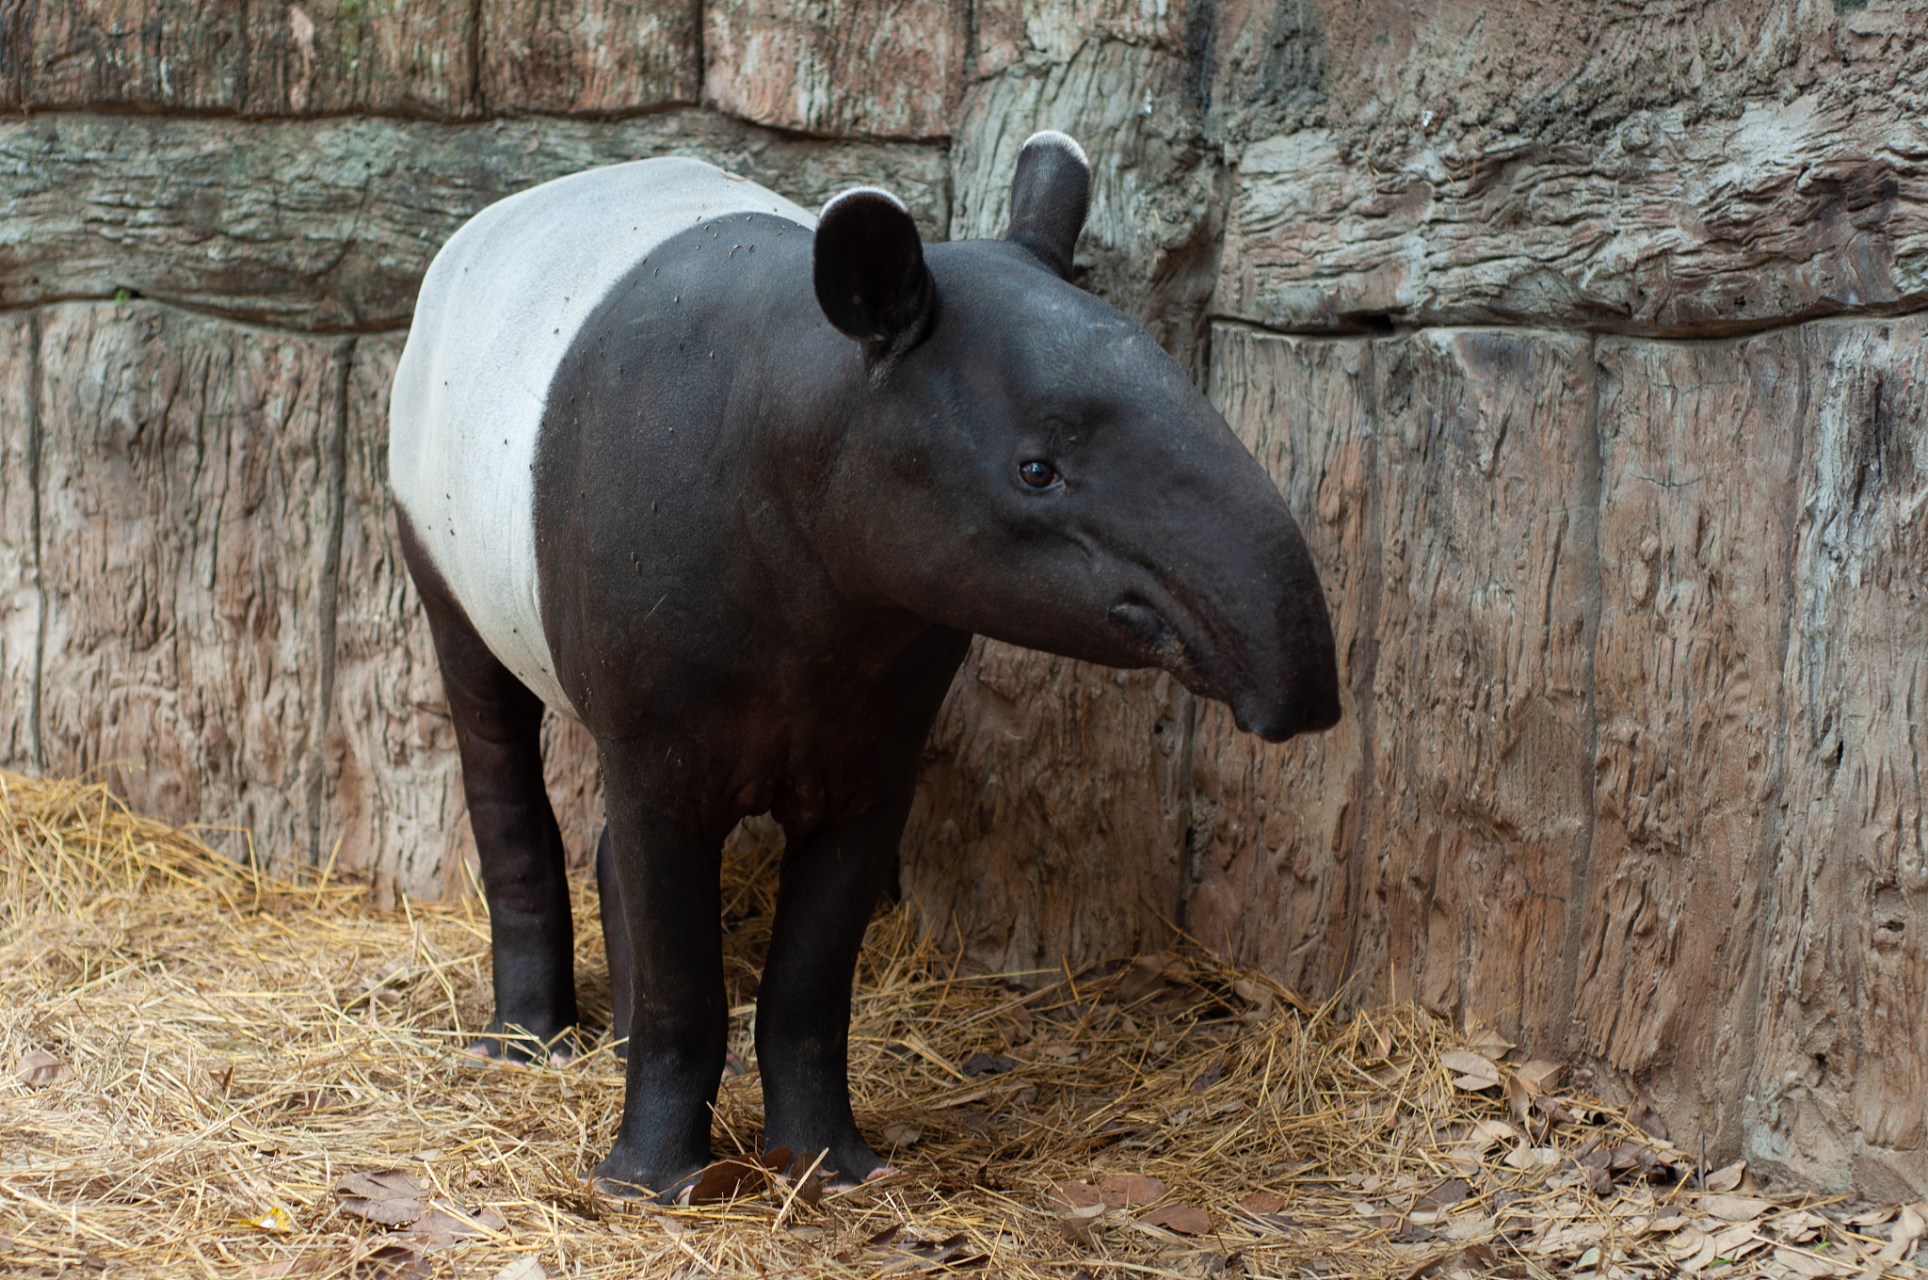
(1584, 342)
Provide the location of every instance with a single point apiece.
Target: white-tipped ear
(869, 268)
(1050, 195)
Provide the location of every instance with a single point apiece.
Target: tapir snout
(1220, 589)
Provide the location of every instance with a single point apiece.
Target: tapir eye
(1038, 473)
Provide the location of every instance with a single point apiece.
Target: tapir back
(498, 310)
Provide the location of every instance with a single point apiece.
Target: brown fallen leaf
(810, 1190)
(1074, 1195)
(1443, 1196)
(1262, 1202)
(1473, 1072)
(1686, 1243)
(1539, 1074)
(1527, 1158)
(1799, 1228)
(1735, 1208)
(1648, 1120)
(1519, 1099)
(1552, 1110)
(1910, 1225)
(1874, 1217)
(1131, 1189)
(1185, 1219)
(897, 1134)
(733, 1176)
(1801, 1263)
(391, 1262)
(1728, 1179)
(1492, 1043)
(38, 1069)
(1737, 1241)
(445, 1224)
(387, 1196)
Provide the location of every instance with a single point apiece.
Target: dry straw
(207, 1072)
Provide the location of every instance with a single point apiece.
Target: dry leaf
(1130, 1189)
(1735, 1208)
(897, 1134)
(388, 1196)
(1701, 1256)
(1539, 1074)
(523, 1268)
(1182, 1218)
(1909, 1227)
(1262, 1202)
(444, 1225)
(1648, 1121)
(1487, 1133)
(391, 1262)
(1728, 1179)
(1526, 1158)
(732, 1176)
(1492, 1044)
(1686, 1244)
(1519, 1099)
(1074, 1195)
(1736, 1241)
(1799, 1228)
(1802, 1263)
(1874, 1217)
(1445, 1195)
(1473, 1071)
(38, 1069)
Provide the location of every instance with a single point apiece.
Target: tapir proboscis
(734, 486)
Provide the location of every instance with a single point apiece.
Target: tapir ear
(870, 274)
(1050, 195)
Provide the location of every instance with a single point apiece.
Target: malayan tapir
(734, 486)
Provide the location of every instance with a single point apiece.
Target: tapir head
(1026, 463)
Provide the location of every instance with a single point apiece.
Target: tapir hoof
(514, 1047)
(636, 1187)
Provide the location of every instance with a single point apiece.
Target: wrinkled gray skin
(760, 570)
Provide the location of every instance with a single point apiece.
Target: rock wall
(1586, 341)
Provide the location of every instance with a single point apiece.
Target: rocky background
(1585, 338)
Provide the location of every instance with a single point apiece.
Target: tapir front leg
(832, 880)
(666, 870)
(498, 729)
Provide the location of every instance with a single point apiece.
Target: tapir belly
(500, 307)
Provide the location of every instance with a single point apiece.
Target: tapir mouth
(1161, 645)
(1153, 634)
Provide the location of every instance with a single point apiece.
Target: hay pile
(206, 1072)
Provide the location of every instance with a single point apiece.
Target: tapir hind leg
(498, 729)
